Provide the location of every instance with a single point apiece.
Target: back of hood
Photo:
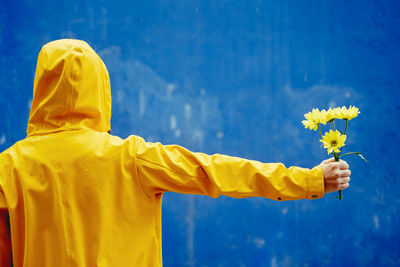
(71, 90)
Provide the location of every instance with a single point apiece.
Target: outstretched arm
(163, 168)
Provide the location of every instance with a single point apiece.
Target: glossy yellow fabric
(78, 196)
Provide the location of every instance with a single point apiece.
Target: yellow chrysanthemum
(346, 113)
(339, 112)
(330, 114)
(310, 125)
(314, 118)
(333, 140)
(351, 113)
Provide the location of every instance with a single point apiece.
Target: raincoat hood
(71, 90)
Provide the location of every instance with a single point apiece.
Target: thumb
(328, 160)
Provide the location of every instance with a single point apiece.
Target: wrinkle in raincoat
(78, 196)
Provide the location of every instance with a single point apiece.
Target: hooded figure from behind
(73, 195)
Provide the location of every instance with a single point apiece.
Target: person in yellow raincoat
(71, 194)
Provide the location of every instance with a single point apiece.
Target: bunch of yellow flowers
(333, 140)
(316, 117)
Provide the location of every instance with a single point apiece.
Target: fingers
(335, 170)
(343, 186)
(338, 181)
(345, 173)
(338, 184)
(328, 160)
(329, 188)
(341, 165)
(343, 180)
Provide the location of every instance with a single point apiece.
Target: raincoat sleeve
(163, 168)
(5, 238)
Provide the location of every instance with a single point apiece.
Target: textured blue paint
(235, 77)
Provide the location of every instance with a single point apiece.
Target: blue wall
(236, 77)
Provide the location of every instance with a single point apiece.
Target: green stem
(345, 130)
(336, 156)
(333, 124)
(319, 128)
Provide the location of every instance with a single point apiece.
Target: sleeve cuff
(315, 183)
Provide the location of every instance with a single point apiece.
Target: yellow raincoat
(78, 196)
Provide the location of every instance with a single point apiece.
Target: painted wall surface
(235, 77)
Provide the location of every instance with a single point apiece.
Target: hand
(336, 175)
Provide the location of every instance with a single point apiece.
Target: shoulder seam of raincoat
(168, 169)
(137, 171)
(175, 172)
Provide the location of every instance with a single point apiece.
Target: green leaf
(363, 157)
(355, 153)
